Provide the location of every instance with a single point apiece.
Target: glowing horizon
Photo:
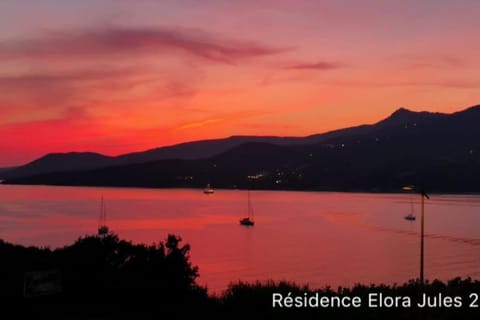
(115, 78)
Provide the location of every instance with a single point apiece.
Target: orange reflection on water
(165, 223)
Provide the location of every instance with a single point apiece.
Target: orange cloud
(198, 124)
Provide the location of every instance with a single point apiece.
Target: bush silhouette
(105, 271)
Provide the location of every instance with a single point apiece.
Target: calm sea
(315, 238)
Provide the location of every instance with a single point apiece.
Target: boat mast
(102, 222)
(250, 208)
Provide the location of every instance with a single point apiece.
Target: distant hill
(439, 151)
(59, 162)
(202, 149)
(4, 170)
(80, 161)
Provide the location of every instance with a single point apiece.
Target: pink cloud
(45, 94)
(43, 91)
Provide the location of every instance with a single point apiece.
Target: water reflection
(315, 238)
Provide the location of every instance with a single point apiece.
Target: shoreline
(473, 193)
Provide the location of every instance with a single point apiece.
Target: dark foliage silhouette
(244, 299)
(105, 273)
(109, 278)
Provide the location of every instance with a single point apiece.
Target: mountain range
(440, 152)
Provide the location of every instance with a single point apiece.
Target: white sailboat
(208, 189)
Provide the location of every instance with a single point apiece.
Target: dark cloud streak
(117, 41)
(453, 84)
(38, 78)
(321, 65)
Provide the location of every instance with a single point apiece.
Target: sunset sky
(115, 76)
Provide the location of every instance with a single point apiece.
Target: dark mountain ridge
(438, 150)
(72, 161)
